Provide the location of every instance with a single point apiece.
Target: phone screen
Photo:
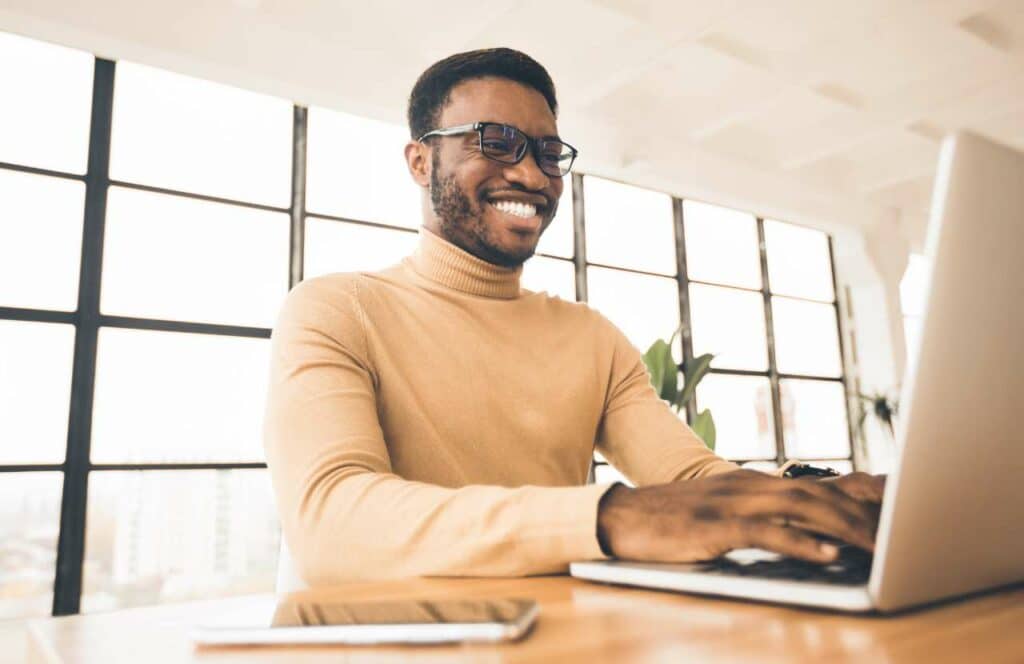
(406, 612)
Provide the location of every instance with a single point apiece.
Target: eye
(497, 145)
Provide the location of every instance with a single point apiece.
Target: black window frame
(87, 318)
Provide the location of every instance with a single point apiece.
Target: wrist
(606, 511)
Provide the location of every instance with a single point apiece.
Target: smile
(521, 210)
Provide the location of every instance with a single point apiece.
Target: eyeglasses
(508, 145)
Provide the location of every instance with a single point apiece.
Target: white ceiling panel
(837, 100)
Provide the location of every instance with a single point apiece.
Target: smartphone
(404, 621)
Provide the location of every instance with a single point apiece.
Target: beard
(461, 220)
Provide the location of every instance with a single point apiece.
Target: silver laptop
(952, 521)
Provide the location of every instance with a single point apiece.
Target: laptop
(952, 520)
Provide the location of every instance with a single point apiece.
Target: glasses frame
(535, 145)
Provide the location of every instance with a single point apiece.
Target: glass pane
(645, 308)
(170, 536)
(40, 241)
(628, 227)
(799, 263)
(558, 237)
(35, 391)
(166, 397)
(729, 323)
(814, 419)
(557, 277)
(806, 338)
(356, 169)
(721, 245)
(48, 127)
(742, 408)
(192, 135)
(177, 258)
(763, 466)
(336, 246)
(29, 524)
(606, 474)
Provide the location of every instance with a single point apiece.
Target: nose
(527, 173)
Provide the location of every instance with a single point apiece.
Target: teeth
(523, 210)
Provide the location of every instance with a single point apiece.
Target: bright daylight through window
(203, 236)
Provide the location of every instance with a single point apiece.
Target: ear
(417, 158)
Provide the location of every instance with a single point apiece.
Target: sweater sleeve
(345, 514)
(640, 434)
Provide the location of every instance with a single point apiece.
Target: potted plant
(664, 372)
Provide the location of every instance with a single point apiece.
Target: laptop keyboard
(851, 568)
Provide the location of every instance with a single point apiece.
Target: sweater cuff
(583, 545)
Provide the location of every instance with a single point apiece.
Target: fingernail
(830, 550)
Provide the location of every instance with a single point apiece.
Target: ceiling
(826, 112)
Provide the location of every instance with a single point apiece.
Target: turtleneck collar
(442, 262)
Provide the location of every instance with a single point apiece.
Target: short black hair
(433, 88)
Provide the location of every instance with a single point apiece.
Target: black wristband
(807, 470)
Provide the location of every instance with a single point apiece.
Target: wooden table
(579, 622)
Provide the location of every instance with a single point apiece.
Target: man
(436, 419)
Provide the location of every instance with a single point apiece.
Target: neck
(448, 264)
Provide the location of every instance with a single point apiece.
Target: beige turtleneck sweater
(436, 419)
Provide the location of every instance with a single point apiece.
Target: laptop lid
(953, 517)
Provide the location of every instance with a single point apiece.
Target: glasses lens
(502, 143)
(555, 157)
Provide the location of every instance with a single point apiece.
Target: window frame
(686, 336)
(87, 318)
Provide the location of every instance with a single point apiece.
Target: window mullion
(297, 210)
(683, 280)
(773, 368)
(71, 542)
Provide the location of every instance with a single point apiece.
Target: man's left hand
(860, 486)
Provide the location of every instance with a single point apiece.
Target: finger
(808, 504)
(833, 493)
(835, 515)
(787, 541)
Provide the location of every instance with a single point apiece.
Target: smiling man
(435, 418)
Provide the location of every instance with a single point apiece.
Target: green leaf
(693, 371)
(662, 369)
(704, 426)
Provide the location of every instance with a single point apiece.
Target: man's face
(465, 185)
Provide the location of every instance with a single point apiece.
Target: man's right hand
(702, 519)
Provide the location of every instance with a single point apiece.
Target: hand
(860, 486)
(705, 518)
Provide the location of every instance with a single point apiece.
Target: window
(35, 390)
(40, 240)
(759, 296)
(721, 245)
(629, 227)
(170, 336)
(551, 275)
(163, 330)
(171, 536)
(169, 397)
(186, 134)
(729, 323)
(337, 246)
(155, 267)
(29, 523)
(49, 125)
(357, 170)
